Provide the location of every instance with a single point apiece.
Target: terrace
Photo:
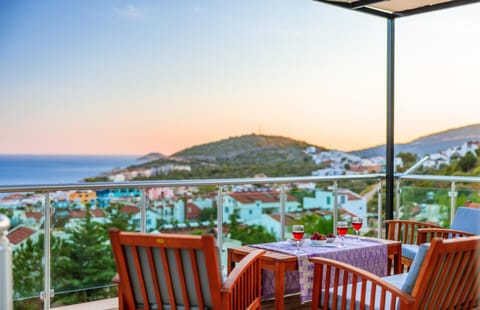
(435, 202)
(420, 197)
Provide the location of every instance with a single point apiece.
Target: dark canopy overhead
(397, 8)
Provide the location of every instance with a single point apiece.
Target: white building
(251, 205)
(171, 210)
(346, 199)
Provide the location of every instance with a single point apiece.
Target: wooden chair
(167, 271)
(444, 275)
(412, 233)
(406, 231)
(465, 223)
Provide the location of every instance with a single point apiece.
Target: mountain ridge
(232, 147)
(428, 144)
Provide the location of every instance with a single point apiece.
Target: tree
(85, 261)
(118, 219)
(408, 159)
(250, 234)
(315, 223)
(28, 267)
(208, 214)
(467, 162)
(28, 274)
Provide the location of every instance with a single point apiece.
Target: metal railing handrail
(219, 182)
(180, 183)
(443, 178)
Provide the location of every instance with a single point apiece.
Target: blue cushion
(409, 250)
(467, 219)
(396, 280)
(415, 269)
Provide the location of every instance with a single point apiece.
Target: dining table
(286, 272)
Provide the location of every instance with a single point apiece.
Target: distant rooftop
(18, 235)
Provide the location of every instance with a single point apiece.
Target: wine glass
(297, 233)
(342, 228)
(357, 225)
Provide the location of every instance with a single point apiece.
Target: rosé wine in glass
(357, 225)
(298, 235)
(342, 228)
(297, 232)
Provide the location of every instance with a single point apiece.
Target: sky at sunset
(133, 77)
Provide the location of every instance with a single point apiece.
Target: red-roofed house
(130, 209)
(33, 218)
(151, 216)
(192, 211)
(20, 235)
(251, 205)
(76, 216)
(171, 210)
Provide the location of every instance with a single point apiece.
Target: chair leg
(121, 303)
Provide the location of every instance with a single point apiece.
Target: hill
(149, 157)
(243, 156)
(429, 144)
(245, 146)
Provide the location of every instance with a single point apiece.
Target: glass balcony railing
(434, 198)
(59, 233)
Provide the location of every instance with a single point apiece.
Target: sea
(57, 169)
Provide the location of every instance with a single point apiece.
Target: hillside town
(179, 208)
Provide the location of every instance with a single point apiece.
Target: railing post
(398, 193)
(47, 291)
(143, 211)
(220, 218)
(282, 212)
(453, 201)
(335, 205)
(6, 281)
(380, 224)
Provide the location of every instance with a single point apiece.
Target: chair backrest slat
(405, 231)
(140, 278)
(196, 279)
(472, 281)
(156, 286)
(182, 281)
(168, 279)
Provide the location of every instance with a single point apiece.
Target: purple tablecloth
(367, 254)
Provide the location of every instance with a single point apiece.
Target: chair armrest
(332, 277)
(427, 234)
(242, 288)
(406, 231)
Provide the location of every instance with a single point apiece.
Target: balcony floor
(291, 302)
(104, 304)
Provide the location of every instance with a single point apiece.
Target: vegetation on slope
(244, 156)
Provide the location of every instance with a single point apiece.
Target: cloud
(199, 10)
(131, 11)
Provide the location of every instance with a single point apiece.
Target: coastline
(24, 169)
